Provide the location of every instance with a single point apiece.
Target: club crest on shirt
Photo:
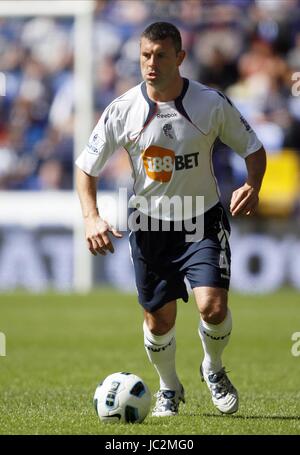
(167, 128)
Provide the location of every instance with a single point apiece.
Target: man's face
(159, 62)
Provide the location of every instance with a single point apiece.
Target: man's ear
(180, 57)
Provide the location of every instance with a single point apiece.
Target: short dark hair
(162, 30)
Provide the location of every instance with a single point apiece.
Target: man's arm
(96, 229)
(244, 200)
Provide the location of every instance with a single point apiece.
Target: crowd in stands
(248, 49)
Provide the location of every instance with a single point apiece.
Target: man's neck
(169, 94)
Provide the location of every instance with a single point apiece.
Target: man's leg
(214, 330)
(215, 325)
(160, 344)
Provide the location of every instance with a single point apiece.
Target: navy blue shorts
(162, 260)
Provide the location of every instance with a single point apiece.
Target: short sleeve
(102, 144)
(235, 131)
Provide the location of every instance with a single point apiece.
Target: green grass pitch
(60, 346)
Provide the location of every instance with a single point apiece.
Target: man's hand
(244, 200)
(97, 235)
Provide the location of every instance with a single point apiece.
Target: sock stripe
(216, 338)
(151, 342)
(159, 346)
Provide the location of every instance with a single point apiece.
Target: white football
(122, 398)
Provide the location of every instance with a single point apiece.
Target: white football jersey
(169, 144)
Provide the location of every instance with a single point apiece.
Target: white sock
(214, 338)
(161, 352)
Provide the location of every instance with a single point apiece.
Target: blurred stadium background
(62, 62)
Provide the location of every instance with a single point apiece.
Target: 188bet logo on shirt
(159, 162)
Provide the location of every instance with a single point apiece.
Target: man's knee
(212, 304)
(161, 321)
(158, 327)
(213, 313)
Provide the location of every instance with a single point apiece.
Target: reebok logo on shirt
(160, 162)
(166, 115)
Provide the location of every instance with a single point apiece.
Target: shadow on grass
(258, 417)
